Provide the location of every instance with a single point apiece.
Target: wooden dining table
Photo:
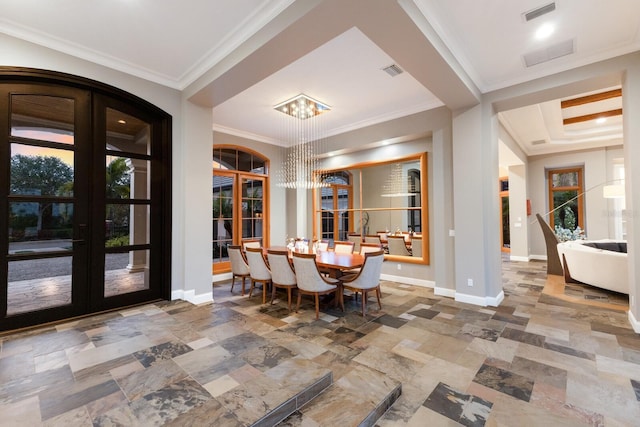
(334, 262)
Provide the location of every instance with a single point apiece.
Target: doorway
(85, 212)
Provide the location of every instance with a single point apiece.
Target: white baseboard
(538, 257)
(519, 258)
(445, 292)
(481, 301)
(634, 323)
(409, 280)
(191, 296)
(221, 277)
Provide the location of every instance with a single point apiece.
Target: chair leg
(299, 298)
(264, 292)
(233, 282)
(273, 293)
(243, 279)
(251, 288)
(378, 295)
(340, 296)
(289, 298)
(317, 305)
(364, 302)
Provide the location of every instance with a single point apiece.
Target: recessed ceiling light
(544, 31)
(601, 120)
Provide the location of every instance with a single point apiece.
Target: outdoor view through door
(80, 230)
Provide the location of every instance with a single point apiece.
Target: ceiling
(177, 44)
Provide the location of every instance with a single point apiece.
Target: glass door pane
(222, 214)
(252, 208)
(42, 210)
(128, 206)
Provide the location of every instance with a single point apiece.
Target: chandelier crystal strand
(303, 135)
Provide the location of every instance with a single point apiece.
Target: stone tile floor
(542, 357)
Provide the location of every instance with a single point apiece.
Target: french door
(83, 215)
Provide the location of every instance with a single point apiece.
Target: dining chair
(239, 266)
(397, 246)
(343, 247)
(364, 249)
(323, 245)
(282, 274)
(369, 247)
(356, 239)
(311, 282)
(251, 243)
(368, 279)
(373, 238)
(416, 246)
(258, 271)
(382, 234)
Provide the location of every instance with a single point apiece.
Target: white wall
(596, 215)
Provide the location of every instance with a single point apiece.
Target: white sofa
(604, 268)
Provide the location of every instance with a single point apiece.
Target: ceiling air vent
(538, 12)
(538, 142)
(393, 70)
(548, 53)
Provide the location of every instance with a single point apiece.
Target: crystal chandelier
(303, 127)
(398, 183)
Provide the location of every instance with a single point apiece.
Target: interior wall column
(197, 199)
(631, 124)
(441, 221)
(518, 219)
(476, 210)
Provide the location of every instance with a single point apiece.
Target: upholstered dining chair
(397, 246)
(282, 274)
(258, 271)
(416, 246)
(343, 247)
(251, 243)
(239, 266)
(356, 239)
(323, 245)
(373, 238)
(368, 279)
(369, 247)
(311, 282)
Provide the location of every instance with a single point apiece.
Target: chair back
(369, 276)
(382, 235)
(251, 244)
(238, 264)
(308, 276)
(416, 246)
(373, 238)
(343, 247)
(397, 246)
(356, 239)
(323, 245)
(258, 268)
(281, 271)
(369, 247)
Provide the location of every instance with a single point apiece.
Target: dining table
(336, 263)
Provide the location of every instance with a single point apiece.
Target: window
(240, 203)
(335, 204)
(565, 198)
(413, 201)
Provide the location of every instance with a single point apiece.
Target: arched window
(240, 201)
(336, 200)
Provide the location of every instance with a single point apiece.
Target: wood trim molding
(591, 98)
(594, 116)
